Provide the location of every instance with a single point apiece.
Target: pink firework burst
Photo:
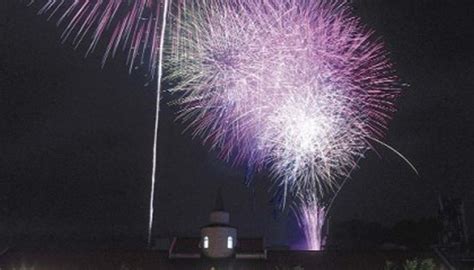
(300, 87)
(132, 26)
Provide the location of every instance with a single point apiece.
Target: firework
(132, 26)
(301, 87)
(137, 27)
(311, 216)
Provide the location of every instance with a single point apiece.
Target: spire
(219, 206)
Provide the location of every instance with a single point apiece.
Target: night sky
(76, 139)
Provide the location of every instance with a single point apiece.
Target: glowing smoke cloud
(301, 87)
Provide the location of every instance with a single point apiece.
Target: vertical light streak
(157, 117)
(133, 26)
(296, 86)
(312, 218)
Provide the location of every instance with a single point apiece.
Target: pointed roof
(219, 206)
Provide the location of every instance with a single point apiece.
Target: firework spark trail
(300, 87)
(137, 27)
(311, 216)
(155, 137)
(132, 26)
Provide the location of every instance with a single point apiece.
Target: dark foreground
(150, 259)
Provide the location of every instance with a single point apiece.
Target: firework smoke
(301, 87)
